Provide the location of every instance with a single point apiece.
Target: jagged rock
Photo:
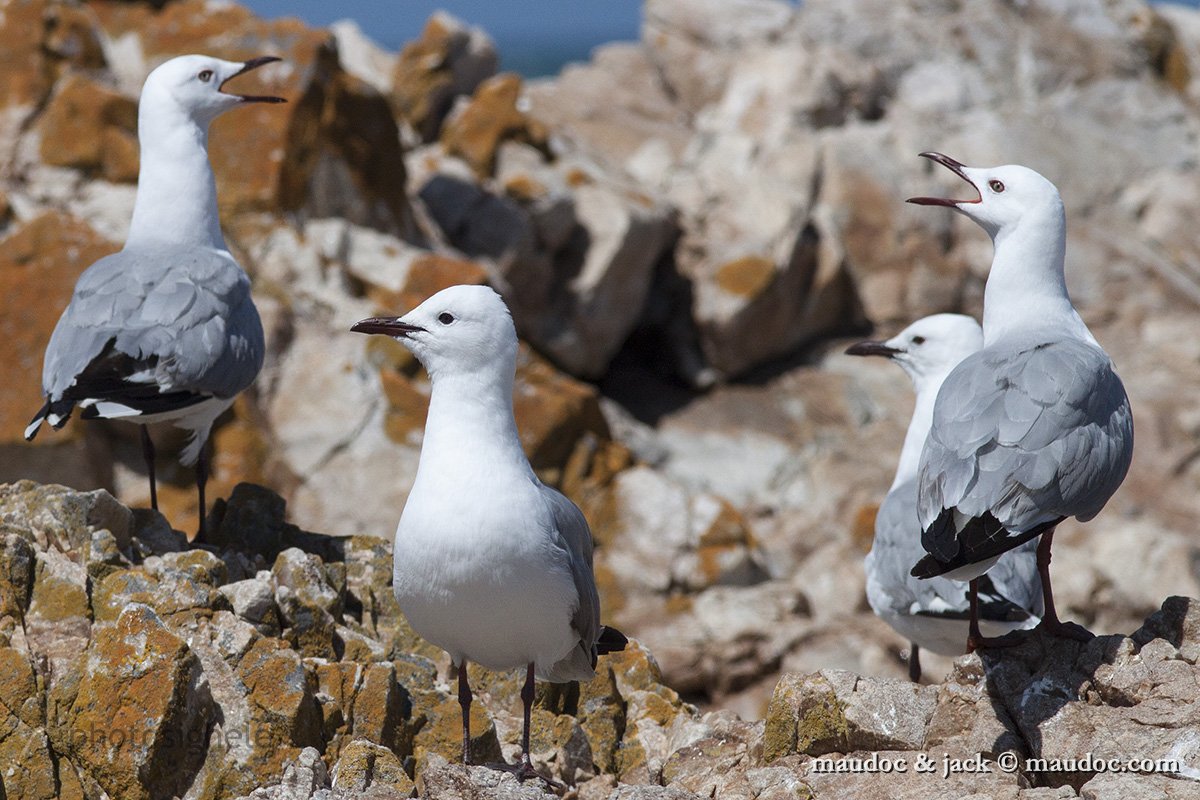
(334, 150)
(302, 778)
(492, 116)
(24, 747)
(283, 710)
(129, 713)
(17, 563)
(77, 104)
(365, 765)
(691, 42)
(59, 619)
(452, 781)
(438, 723)
(449, 60)
(836, 712)
(310, 607)
(251, 518)
(39, 262)
(616, 104)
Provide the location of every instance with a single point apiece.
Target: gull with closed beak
(938, 614)
(490, 564)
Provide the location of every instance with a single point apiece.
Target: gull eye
(445, 318)
(205, 75)
(918, 340)
(996, 186)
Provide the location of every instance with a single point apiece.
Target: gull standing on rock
(937, 614)
(164, 330)
(490, 564)
(1035, 427)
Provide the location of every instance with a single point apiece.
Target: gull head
(196, 85)
(929, 348)
(1004, 196)
(460, 330)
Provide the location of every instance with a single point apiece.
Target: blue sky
(533, 36)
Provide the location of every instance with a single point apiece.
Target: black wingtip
(35, 424)
(610, 640)
(928, 567)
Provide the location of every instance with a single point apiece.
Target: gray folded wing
(896, 548)
(1024, 433)
(182, 316)
(575, 538)
(1013, 593)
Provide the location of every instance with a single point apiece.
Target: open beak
(955, 167)
(252, 64)
(388, 326)
(872, 349)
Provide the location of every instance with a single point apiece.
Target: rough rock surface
(177, 685)
(717, 205)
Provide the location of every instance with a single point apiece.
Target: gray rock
(442, 779)
(253, 600)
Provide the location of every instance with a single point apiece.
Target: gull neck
(1026, 287)
(176, 194)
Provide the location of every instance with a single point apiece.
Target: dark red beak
(955, 167)
(388, 326)
(871, 349)
(252, 64)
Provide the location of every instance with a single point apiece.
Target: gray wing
(1023, 435)
(896, 548)
(1009, 594)
(575, 538)
(180, 318)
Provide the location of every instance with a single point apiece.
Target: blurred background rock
(688, 228)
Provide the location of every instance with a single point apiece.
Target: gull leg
(148, 454)
(201, 480)
(975, 638)
(527, 702)
(914, 662)
(525, 769)
(1050, 621)
(464, 700)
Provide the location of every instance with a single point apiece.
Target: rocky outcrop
(138, 667)
(195, 671)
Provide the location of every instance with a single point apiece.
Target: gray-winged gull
(937, 614)
(490, 564)
(164, 330)
(1035, 427)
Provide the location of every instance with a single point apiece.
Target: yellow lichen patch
(524, 188)
(79, 104)
(432, 272)
(441, 731)
(553, 411)
(39, 264)
(610, 588)
(422, 82)
(746, 277)
(577, 177)
(679, 604)
(490, 118)
(727, 528)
